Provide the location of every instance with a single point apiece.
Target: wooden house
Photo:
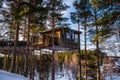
(64, 38)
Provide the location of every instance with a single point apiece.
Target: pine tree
(83, 13)
(56, 18)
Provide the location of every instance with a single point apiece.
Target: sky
(67, 12)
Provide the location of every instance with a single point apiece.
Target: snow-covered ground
(4, 75)
(112, 76)
(65, 74)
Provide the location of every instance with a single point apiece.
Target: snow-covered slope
(4, 75)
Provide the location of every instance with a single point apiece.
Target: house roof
(62, 28)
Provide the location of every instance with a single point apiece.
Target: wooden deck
(11, 43)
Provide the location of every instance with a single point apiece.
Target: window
(72, 37)
(35, 39)
(40, 39)
(67, 35)
(76, 38)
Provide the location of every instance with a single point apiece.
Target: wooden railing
(12, 43)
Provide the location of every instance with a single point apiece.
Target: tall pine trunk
(85, 28)
(24, 31)
(17, 22)
(27, 48)
(13, 62)
(97, 46)
(79, 51)
(17, 60)
(5, 62)
(53, 51)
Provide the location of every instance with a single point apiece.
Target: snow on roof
(4, 75)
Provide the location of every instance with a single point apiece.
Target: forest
(38, 39)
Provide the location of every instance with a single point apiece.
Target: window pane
(76, 38)
(72, 37)
(67, 35)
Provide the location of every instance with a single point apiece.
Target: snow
(112, 76)
(63, 75)
(4, 75)
(1, 55)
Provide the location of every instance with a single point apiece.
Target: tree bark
(53, 51)
(85, 28)
(79, 51)
(97, 47)
(17, 59)
(13, 62)
(27, 47)
(5, 62)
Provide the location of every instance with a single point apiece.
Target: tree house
(64, 38)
